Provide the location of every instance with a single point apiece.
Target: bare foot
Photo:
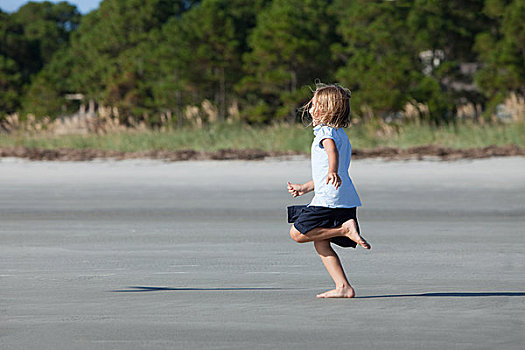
(354, 235)
(342, 292)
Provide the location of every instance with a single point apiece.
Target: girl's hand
(333, 178)
(295, 189)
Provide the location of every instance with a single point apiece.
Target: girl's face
(314, 111)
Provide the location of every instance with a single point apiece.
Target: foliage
(48, 25)
(285, 55)
(16, 64)
(10, 84)
(502, 50)
(152, 58)
(446, 30)
(116, 64)
(377, 62)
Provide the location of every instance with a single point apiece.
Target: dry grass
(281, 138)
(202, 132)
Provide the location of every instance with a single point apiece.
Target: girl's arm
(333, 162)
(298, 190)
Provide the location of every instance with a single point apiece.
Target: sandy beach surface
(144, 254)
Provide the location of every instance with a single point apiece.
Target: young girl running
(331, 215)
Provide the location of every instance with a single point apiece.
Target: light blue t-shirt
(325, 194)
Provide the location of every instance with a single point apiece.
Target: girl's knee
(297, 236)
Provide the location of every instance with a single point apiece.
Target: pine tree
(289, 49)
(375, 55)
(109, 41)
(48, 25)
(445, 31)
(501, 49)
(202, 52)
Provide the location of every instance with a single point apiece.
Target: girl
(331, 215)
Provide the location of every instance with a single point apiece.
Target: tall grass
(296, 138)
(212, 138)
(466, 134)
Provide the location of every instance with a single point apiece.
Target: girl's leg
(348, 229)
(331, 261)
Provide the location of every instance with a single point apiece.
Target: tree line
(259, 57)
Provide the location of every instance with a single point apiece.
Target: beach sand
(143, 254)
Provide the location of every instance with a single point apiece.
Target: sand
(143, 254)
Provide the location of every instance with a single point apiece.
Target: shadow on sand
(447, 294)
(139, 289)
(142, 289)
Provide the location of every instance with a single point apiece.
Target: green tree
(48, 25)
(375, 55)
(207, 49)
(445, 31)
(289, 49)
(108, 41)
(42, 30)
(133, 89)
(501, 49)
(17, 63)
(10, 85)
(202, 53)
(46, 94)
(29, 38)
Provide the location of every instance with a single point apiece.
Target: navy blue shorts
(306, 218)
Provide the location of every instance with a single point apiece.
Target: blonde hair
(333, 103)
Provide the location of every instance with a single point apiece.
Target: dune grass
(296, 138)
(458, 136)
